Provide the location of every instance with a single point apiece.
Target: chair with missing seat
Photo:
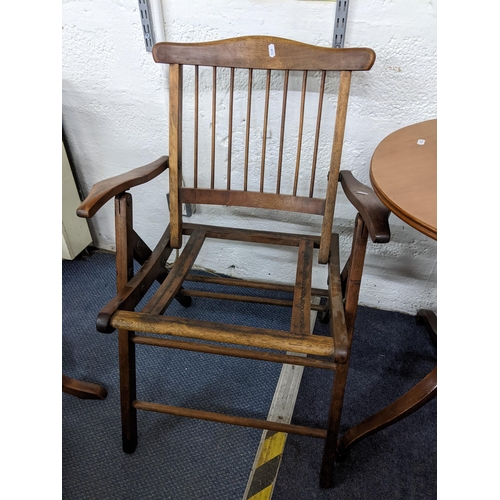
(238, 86)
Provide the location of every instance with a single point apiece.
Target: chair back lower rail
(247, 199)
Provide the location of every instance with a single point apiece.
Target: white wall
(115, 116)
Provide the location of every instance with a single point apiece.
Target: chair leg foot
(333, 427)
(326, 478)
(129, 446)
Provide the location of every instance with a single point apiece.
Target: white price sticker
(272, 52)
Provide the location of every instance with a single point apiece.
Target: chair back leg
(126, 348)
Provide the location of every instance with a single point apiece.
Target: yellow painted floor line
(272, 447)
(267, 461)
(264, 494)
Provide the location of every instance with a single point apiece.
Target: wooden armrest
(104, 190)
(374, 213)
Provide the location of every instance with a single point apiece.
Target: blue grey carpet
(185, 459)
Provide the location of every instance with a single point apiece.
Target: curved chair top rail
(264, 52)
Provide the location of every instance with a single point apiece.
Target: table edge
(416, 224)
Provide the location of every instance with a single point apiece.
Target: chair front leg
(351, 282)
(126, 348)
(333, 427)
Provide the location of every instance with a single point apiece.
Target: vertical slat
(301, 309)
(316, 139)
(230, 129)
(196, 125)
(301, 129)
(282, 131)
(333, 174)
(264, 131)
(126, 348)
(214, 97)
(247, 139)
(175, 153)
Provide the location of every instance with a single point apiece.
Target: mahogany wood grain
(403, 174)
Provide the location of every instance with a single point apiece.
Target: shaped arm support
(375, 215)
(104, 190)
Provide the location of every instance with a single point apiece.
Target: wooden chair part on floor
(297, 172)
(81, 389)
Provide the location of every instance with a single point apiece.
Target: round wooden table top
(403, 174)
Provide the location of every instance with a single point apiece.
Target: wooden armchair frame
(268, 54)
